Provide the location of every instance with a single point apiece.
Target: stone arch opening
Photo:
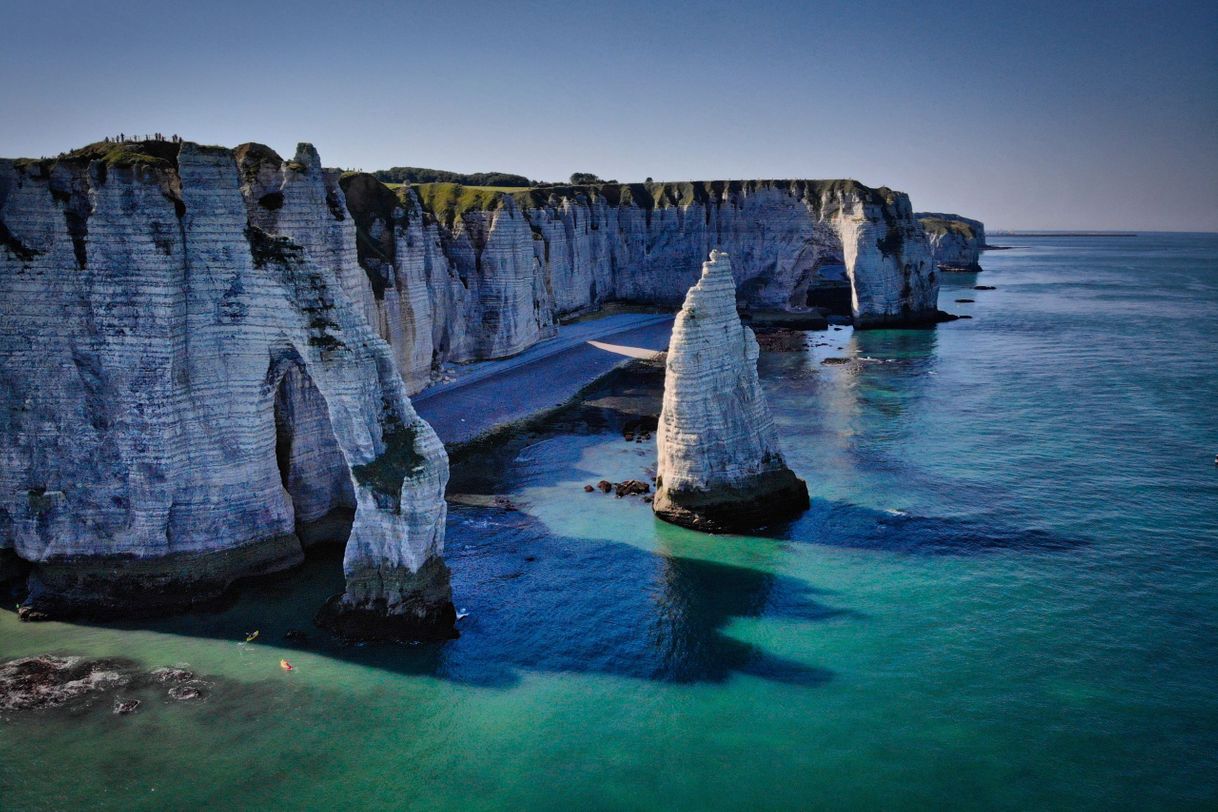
(830, 287)
(312, 467)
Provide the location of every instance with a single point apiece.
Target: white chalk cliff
(459, 274)
(719, 466)
(190, 393)
(955, 242)
(206, 354)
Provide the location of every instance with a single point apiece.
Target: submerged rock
(187, 691)
(719, 466)
(170, 676)
(48, 681)
(122, 708)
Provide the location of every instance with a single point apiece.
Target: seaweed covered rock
(48, 681)
(719, 465)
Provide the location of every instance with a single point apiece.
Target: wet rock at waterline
(782, 340)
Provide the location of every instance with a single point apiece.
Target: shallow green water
(1004, 596)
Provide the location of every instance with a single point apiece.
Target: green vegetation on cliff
(385, 474)
(415, 174)
(448, 201)
(938, 225)
(159, 154)
(380, 208)
(151, 154)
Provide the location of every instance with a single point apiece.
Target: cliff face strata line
(719, 467)
(955, 242)
(187, 384)
(468, 289)
(640, 243)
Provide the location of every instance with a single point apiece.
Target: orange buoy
(285, 665)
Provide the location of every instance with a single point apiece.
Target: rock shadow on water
(842, 524)
(537, 602)
(562, 605)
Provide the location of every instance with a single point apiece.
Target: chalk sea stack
(955, 242)
(719, 465)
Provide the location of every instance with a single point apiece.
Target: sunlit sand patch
(629, 352)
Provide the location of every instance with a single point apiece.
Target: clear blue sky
(1026, 115)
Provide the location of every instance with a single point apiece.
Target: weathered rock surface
(47, 681)
(189, 384)
(447, 288)
(719, 468)
(459, 274)
(955, 242)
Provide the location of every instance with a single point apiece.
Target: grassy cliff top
(450, 200)
(447, 201)
(160, 154)
(152, 154)
(415, 174)
(940, 225)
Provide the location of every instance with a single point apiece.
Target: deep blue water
(1005, 595)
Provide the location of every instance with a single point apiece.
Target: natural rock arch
(183, 317)
(388, 507)
(315, 474)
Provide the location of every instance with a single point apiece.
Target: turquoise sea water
(1005, 596)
